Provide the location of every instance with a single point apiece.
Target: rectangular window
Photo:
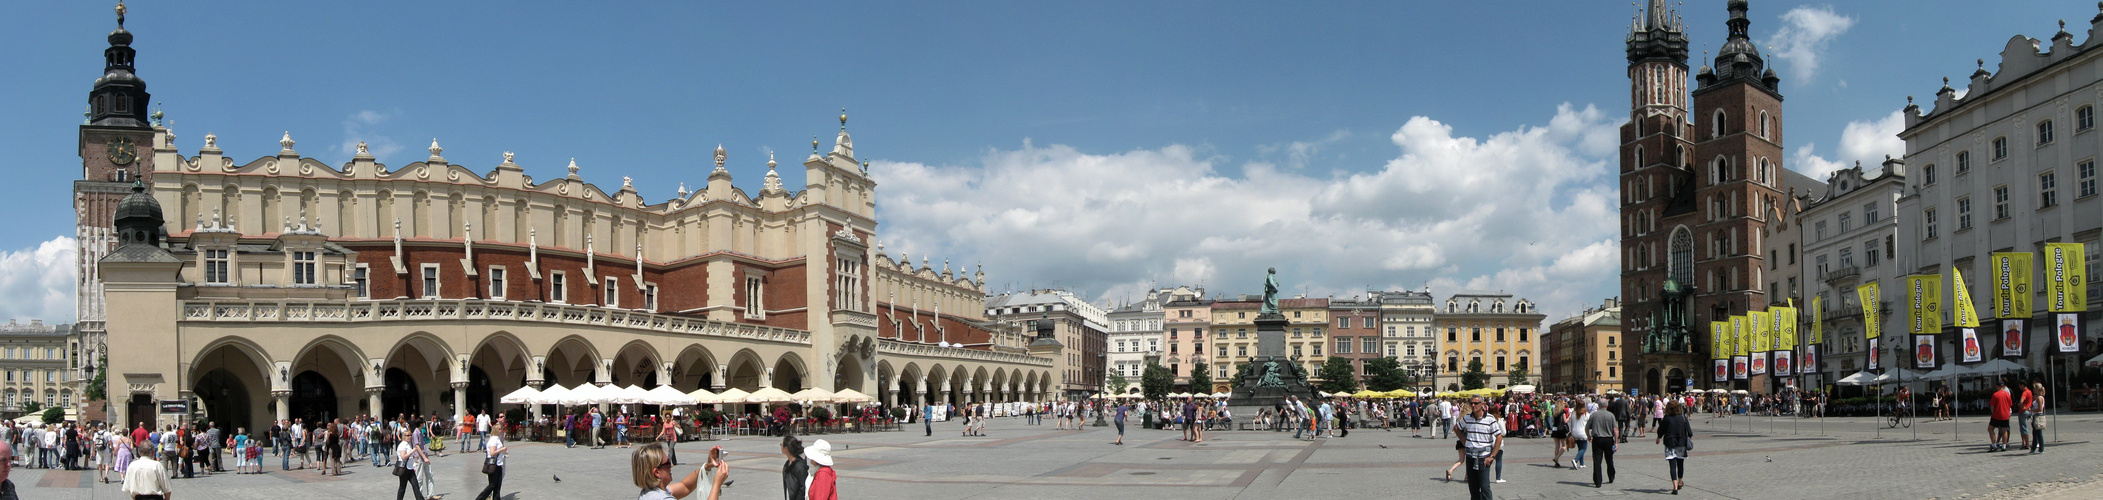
(1452, 334)
(2000, 202)
(1241, 350)
(1927, 175)
(612, 287)
(2000, 148)
(1964, 213)
(1370, 322)
(1369, 346)
(430, 290)
(1964, 162)
(2047, 190)
(303, 268)
(1847, 258)
(1869, 254)
(1222, 350)
(1120, 346)
(755, 289)
(1296, 332)
(650, 297)
(1343, 322)
(361, 282)
(1453, 364)
(1819, 231)
(215, 266)
(1846, 222)
(1869, 213)
(850, 285)
(1296, 350)
(558, 287)
(2085, 176)
(1927, 220)
(1475, 335)
(1500, 334)
(496, 282)
(1523, 333)
(2044, 132)
(1500, 363)
(1343, 345)
(2084, 118)
(1412, 348)
(1317, 348)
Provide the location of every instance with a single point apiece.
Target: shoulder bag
(489, 464)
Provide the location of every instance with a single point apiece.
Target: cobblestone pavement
(1738, 457)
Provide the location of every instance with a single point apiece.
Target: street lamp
(1099, 401)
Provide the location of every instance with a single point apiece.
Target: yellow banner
(1818, 320)
(2066, 280)
(1924, 304)
(1719, 340)
(1967, 314)
(1871, 321)
(1741, 344)
(1784, 328)
(1762, 331)
(2011, 285)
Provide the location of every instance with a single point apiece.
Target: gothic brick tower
(1656, 183)
(116, 150)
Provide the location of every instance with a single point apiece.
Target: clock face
(122, 151)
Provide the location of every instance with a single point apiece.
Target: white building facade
(1849, 234)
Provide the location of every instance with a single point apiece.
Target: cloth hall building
(281, 287)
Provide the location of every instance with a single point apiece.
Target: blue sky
(1099, 146)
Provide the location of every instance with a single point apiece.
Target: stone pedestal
(1255, 388)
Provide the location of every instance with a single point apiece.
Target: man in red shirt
(1997, 427)
(2023, 415)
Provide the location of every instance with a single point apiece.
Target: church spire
(119, 97)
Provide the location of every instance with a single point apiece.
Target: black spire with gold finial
(119, 97)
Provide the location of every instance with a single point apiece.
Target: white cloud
(1867, 142)
(1299, 153)
(360, 126)
(1529, 211)
(1802, 40)
(38, 282)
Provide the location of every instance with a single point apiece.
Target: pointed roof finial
(120, 14)
(843, 111)
(814, 144)
(434, 147)
(770, 162)
(156, 116)
(720, 156)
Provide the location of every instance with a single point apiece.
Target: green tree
(94, 391)
(1200, 378)
(1118, 383)
(1518, 376)
(32, 407)
(1338, 377)
(54, 415)
(1156, 381)
(1474, 378)
(1386, 374)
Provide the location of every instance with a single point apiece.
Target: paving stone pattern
(1738, 457)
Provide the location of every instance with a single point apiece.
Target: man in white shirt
(482, 427)
(147, 479)
(1445, 417)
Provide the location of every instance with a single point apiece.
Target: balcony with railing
(1841, 274)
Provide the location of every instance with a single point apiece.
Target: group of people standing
(1579, 423)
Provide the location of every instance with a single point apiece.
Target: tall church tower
(1738, 158)
(116, 147)
(1656, 183)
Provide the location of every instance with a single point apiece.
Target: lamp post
(1099, 401)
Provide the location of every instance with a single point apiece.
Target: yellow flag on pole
(1719, 340)
(2066, 279)
(1967, 314)
(1818, 320)
(1924, 304)
(1871, 321)
(2011, 285)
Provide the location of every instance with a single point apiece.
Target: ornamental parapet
(454, 310)
(915, 349)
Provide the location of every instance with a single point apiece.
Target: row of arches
(239, 382)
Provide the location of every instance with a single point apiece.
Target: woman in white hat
(824, 484)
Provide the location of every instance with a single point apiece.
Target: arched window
(1716, 171)
(1716, 130)
(1639, 157)
(1763, 126)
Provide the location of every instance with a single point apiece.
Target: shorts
(1460, 445)
(1998, 423)
(1560, 434)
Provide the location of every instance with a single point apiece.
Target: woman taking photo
(653, 474)
(1678, 438)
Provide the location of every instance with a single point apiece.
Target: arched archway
(1652, 380)
(1675, 382)
(418, 378)
(636, 364)
(571, 362)
(790, 373)
(746, 371)
(232, 382)
(695, 368)
(908, 385)
(937, 385)
(328, 376)
(847, 374)
(496, 367)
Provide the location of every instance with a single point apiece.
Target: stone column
(459, 399)
(279, 400)
(372, 398)
(534, 410)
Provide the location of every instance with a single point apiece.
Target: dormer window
(216, 265)
(303, 268)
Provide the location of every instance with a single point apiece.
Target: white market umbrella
(553, 395)
(1219, 395)
(2098, 360)
(631, 395)
(666, 395)
(1741, 392)
(814, 395)
(1998, 365)
(1521, 389)
(851, 396)
(770, 395)
(701, 396)
(524, 395)
(729, 396)
(1859, 378)
(585, 394)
